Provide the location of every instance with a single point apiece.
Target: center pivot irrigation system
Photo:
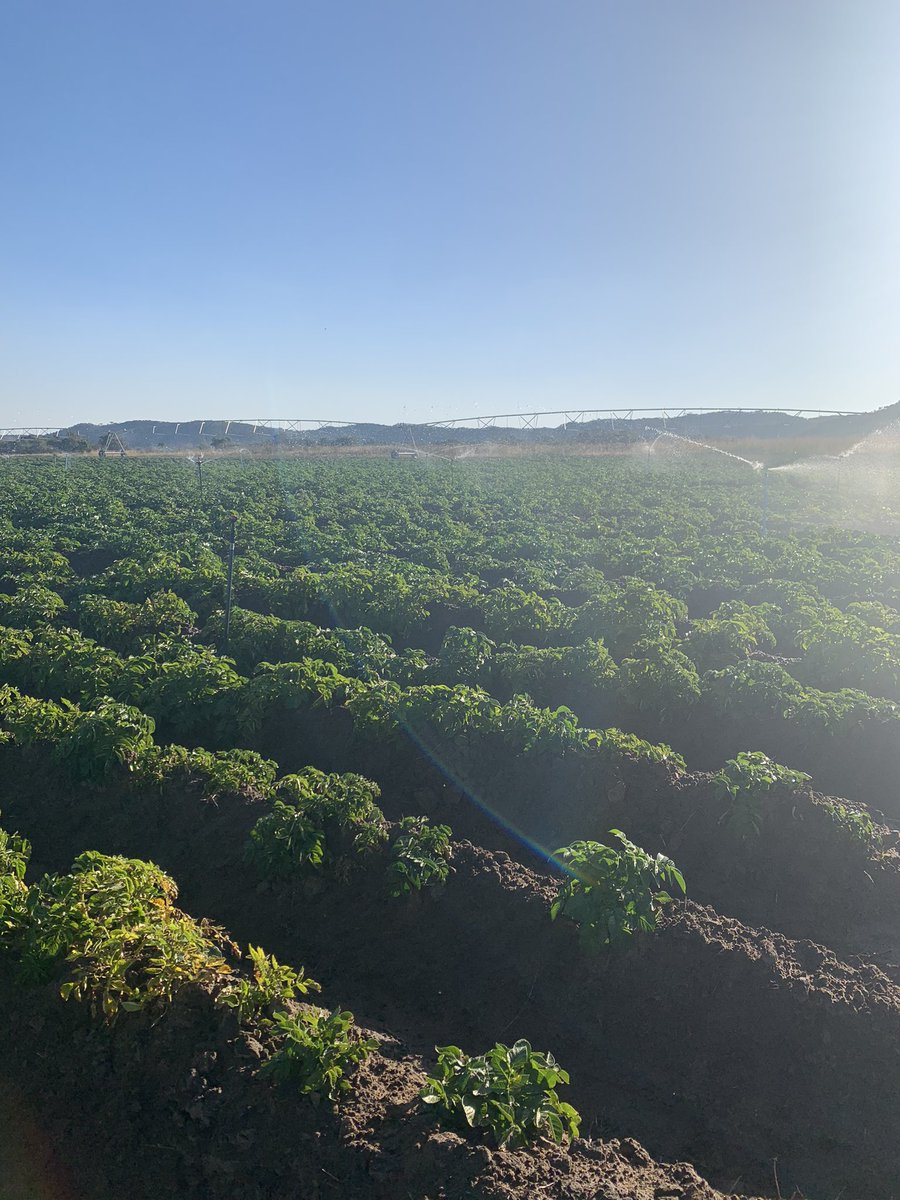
(539, 420)
(528, 420)
(513, 420)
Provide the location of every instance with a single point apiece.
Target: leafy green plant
(286, 842)
(510, 1092)
(582, 676)
(193, 693)
(315, 1051)
(613, 893)
(273, 986)
(733, 632)
(330, 820)
(114, 923)
(464, 655)
(63, 664)
(616, 747)
(289, 687)
(511, 614)
(255, 638)
(15, 851)
(29, 720)
(745, 781)
(662, 680)
(420, 856)
(122, 626)
(88, 744)
(213, 773)
(30, 606)
(110, 735)
(627, 612)
(191, 571)
(853, 821)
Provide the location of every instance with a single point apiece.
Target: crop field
(525, 827)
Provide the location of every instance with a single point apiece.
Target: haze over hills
(718, 425)
(725, 424)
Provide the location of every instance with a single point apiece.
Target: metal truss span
(536, 420)
(288, 425)
(221, 426)
(194, 428)
(514, 420)
(13, 435)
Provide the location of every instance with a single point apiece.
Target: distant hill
(148, 435)
(192, 435)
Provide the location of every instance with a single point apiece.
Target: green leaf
(554, 1124)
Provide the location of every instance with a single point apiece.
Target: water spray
(661, 433)
(825, 460)
(753, 465)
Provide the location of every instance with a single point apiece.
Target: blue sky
(410, 210)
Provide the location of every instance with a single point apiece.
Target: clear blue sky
(412, 209)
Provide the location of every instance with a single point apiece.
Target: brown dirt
(673, 1040)
(171, 1107)
(31, 1168)
(712, 1041)
(800, 875)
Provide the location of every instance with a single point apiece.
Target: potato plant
(15, 852)
(854, 822)
(420, 856)
(315, 1051)
(509, 1093)
(112, 928)
(31, 606)
(214, 774)
(744, 782)
(271, 988)
(613, 893)
(109, 933)
(318, 820)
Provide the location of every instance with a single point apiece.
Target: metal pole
(230, 584)
(765, 512)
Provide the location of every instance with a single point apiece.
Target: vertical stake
(765, 511)
(230, 584)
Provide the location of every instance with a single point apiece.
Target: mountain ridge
(724, 423)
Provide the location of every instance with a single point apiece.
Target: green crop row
(108, 934)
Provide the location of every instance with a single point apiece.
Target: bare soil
(172, 1107)
(715, 1042)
